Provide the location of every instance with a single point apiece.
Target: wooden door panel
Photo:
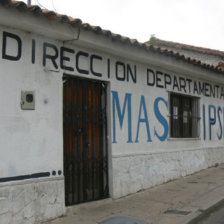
(85, 150)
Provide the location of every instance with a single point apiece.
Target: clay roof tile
(51, 15)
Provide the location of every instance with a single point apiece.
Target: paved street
(216, 217)
(169, 203)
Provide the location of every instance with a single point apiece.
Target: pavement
(181, 201)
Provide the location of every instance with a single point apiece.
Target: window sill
(183, 139)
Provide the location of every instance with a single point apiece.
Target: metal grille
(184, 112)
(85, 140)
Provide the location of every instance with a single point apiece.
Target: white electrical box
(27, 100)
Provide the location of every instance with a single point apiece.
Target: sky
(194, 22)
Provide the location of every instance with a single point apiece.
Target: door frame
(107, 137)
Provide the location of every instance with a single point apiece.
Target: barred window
(184, 119)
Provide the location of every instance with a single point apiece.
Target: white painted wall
(32, 141)
(141, 165)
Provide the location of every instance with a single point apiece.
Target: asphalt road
(216, 217)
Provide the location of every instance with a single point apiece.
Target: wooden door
(85, 140)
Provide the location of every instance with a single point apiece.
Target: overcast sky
(194, 22)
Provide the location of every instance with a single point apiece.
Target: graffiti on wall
(142, 118)
(211, 116)
(96, 65)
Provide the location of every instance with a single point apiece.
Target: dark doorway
(85, 140)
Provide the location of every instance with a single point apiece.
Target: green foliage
(153, 40)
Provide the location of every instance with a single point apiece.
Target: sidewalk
(165, 204)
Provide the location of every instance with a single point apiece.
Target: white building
(87, 114)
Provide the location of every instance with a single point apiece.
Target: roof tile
(35, 9)
(188, 47)
(51, 15)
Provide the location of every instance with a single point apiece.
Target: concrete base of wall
(31, 201)
(132, 173)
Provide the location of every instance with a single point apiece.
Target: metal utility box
(27, 100)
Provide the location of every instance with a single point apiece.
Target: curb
(197, 216)
(75, 208)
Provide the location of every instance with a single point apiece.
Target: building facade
(205, 55)
(87, 114)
